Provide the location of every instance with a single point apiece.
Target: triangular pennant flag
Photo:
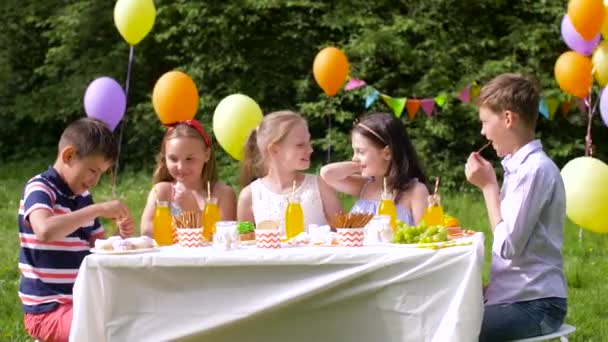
(428, 106)
(354, 83)
(371, 97)
(465, 95)
(412, 108)
(582, 105)
(542, 108)
(552, 104)
(475, 89)
(441, 99)
(396, 104)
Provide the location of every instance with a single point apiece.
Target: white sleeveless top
(268, 205)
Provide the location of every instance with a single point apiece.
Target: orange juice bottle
(294, 218)
(434, 213)
(163, 227)
(210, 216)
(387, 207)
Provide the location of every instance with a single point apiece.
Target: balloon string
(127, 82)
(328, 139)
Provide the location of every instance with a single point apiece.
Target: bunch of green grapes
(420, 234)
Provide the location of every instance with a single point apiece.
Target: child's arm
(245, 206)
(226, 200)
(417, 201)
(48, 226)
(330, 200)
(523, 205)
(343, 177)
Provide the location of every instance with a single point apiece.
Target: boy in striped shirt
(58, 223)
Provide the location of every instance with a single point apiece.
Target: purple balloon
(105, 100)
(575, 41)
(604, 106)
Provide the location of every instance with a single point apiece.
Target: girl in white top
(276, 153)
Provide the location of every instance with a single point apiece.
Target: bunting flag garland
(371, 97)
(396, 104)
(354, 83)
(547, 108)
(428, 106)
(412, 108)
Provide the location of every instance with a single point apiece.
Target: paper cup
(351, 237)
(190, 237)
(268, 238)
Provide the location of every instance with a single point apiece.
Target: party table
(371, 293)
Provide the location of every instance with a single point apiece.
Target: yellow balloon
(586, 181)
(134, 19)
(604, 28)
(600, 63)
(234, 118)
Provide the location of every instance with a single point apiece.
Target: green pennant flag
(441, 99)
(552, 104)
(395, 103)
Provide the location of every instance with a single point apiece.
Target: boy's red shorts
(51, 326)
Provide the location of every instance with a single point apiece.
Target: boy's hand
(126, 227)
(184, 198)
(480, 172)
(115, 210)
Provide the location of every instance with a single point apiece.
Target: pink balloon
(575, 41)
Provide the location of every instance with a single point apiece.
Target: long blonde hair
(272, 130)
(183, 130)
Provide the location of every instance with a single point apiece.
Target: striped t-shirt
(49, 269)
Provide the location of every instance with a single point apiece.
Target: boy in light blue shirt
(527, 292)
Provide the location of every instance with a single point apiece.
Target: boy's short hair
(513, 92)
(90, 137)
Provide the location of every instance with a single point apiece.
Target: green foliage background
(51, 50)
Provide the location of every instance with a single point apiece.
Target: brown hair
(385, 130)
(272, 130)
(182, 130)
(512, 92)
(90, 137)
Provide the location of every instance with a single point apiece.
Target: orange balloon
(175, 97)
(573, 73)
(330, 69)
(587, 16)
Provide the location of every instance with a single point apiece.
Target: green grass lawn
(586, 262)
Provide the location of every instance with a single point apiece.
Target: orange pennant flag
(412, 108)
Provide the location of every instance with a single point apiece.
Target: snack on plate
(122, 245)
(141, 242)
(246, 231)
(268, 224)
(103, 245)
(116, 243)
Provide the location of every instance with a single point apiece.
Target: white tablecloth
(374, 293)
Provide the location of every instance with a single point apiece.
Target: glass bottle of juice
(163, 227)
(294, 218)
(210, 216)
(434, 212)
(387, 207)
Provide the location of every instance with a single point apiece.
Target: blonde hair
(161, 173)
(272, 130)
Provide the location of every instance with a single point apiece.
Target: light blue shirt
(526, 252)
